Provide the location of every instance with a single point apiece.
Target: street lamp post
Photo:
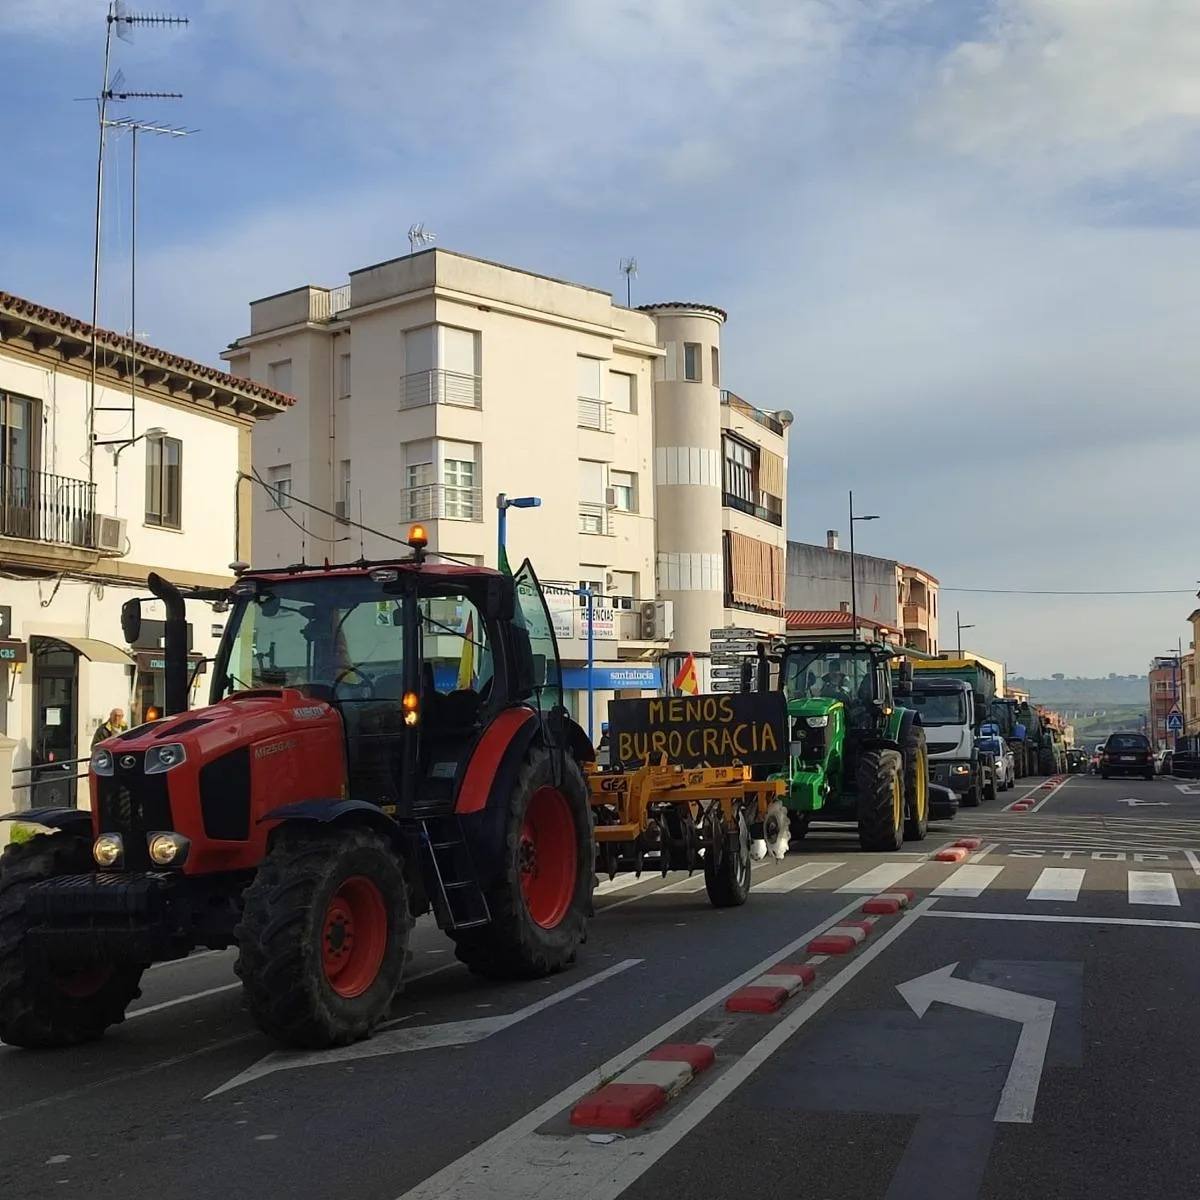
(961, 627)
(853, 572)
(503, 504)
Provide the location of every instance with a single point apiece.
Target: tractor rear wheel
(543, 893)
(727, 866)
(324, 935)
(916, 784)
(880, 785)
(41, 1006)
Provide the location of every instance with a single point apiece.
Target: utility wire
(1050, 592)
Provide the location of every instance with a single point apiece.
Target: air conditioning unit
(658, 620)
(110, 534)
(339, 509)
(610, 497)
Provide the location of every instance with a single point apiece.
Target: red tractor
(383, 739)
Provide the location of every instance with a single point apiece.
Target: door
(534, 615)
(55, 721)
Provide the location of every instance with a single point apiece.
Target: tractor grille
(133, 804)
(225, 796)
(812, 740)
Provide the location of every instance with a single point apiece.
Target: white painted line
(790, 880)
(1057, 883)
(618, 884)
(518, 1163)
(967, 882)
(879, 879)
(198, 954)
(420, 1037)
(1056, 919)
(1050, 795)
(1190, 855)
(983, 852)
(689, 883)
(1153, 887)
(153, 1008)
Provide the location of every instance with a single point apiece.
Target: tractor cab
(817, 676)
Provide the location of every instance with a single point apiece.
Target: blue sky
(956, 237)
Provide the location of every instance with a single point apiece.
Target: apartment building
(83, 520)
(891, 597)
(1165, 695)
(432, 383)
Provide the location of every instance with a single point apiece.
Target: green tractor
(855, 755)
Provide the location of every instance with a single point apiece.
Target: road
(1043, 1042)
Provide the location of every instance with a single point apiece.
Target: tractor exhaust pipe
(175, 652)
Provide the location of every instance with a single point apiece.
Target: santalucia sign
(738, 729)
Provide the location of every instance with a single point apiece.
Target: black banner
(728, 730)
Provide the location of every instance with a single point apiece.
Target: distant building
(1165, 693)
(1190, 695)
(891, 594)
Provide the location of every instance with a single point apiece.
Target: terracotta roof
(64, 322)
(694, 304)
(827, 618)
(919, 571)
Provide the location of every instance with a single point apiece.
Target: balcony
(593, 414)
(771, 510)
(440, 387)
(595, 518)
(736, 404)
(438, 501)
(39, 507)
(916, 616)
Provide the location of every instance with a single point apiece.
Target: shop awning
(95, 650)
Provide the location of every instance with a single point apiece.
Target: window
(691, 361)
(624, 489)
(624, 588)
(1160, 686)
(280, 479)
(595, 585)
(459, 478)
(279, 375)
(343, 374)
(738, 470)
(343, 505)
(18, 425)
(593, 513)
(622, 392)
(164, 469)
(716, 367)
(591, 411)
(588, 375)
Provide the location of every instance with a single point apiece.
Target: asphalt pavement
(1024, 1027)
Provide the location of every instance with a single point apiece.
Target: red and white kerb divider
(633, 1096)
(1029, 800)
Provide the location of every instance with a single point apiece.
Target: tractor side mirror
(131, 620)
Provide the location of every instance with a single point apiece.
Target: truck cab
(947, 712)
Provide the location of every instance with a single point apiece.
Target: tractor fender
(336, 810)
(908, 718)
(69, 820)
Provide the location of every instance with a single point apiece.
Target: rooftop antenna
(419, 236)
(629, 270)
(135, 127)
(362, 544)
(122, 22)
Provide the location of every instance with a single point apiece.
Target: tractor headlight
(164, 758)
(817, 722)
(167, 849)
(961, 769)
(102, 762)
(108, 850)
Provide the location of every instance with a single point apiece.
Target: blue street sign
(1174, 722)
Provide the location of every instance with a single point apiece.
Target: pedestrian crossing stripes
(878, 879)
(1152, 887)
(1058, 883)
(968, 882)
(790, 880)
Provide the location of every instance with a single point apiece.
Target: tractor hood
(816, 706)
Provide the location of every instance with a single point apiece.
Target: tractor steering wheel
(367, 681)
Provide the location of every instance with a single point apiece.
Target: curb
(639, 1091)
(841, 939)
(769, 992)
(889, 903)
(969, 843)
(951, 854)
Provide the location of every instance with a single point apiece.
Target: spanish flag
(466, 664)
(687, 681)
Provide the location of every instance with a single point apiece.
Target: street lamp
(961, 627)
(853, 583)
(155, 431)
(503, 504)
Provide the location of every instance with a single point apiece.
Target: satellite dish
(785, 416)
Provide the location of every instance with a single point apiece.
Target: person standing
(110, 727)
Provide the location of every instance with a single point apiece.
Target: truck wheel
(989, 791)
(42, 1007)
(973, 796)
(880, 785)
(916, 784)
(324, 935)
(727, 874)
(542, 896)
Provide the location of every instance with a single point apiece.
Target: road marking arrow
(422, 1037)
(1036, 1017)
(1134, 802)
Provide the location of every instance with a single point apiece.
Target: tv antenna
(419, 236)
(122, 22)
(629, 270)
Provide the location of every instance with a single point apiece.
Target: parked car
(1127, 754)
(1000, 752)
(1164, 762)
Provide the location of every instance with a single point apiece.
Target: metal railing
(42, 507)
(439, 501)
(441, 387)
(595, 518)
(770, 512)
(765, 419)
(324, 304)
(593, 414)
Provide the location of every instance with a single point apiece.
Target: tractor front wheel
(540, 901)
(727, 864)
(43, 1006)
(324, 935)
(916, 784)
(880, 800)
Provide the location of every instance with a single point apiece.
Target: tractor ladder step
(453, 885)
